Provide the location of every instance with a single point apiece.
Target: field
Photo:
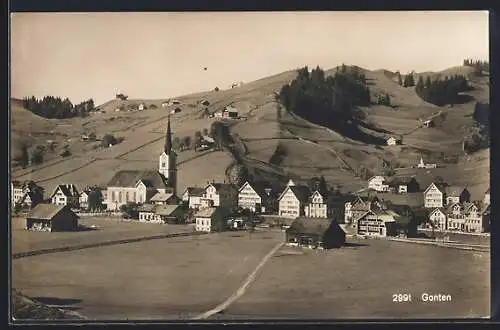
(167, 278)
(179, 278)
(108, 229)
(359, 281)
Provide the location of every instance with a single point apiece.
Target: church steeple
(168, 139)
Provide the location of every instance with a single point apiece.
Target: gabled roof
(440, 187)
(46, 211)
(311, 226)
(147, 208)
(166, 210)
(302, 193)
(258, 186)
(468, 206)
(161, 197)
(438, 209)
(377, 176)
(205, 213)
(450, 207)
(454, 191)
(152, 179)
(69, 190)
(17, 184)
(314, 193)
(221, 186)
(195, 191)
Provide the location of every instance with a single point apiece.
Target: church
(145, 186)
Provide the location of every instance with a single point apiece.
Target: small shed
(315, 233)
(51, 217)
(205, 103)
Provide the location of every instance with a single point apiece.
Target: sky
(161, 55)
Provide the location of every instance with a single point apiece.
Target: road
(241, 291)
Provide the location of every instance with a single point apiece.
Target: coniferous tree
(24, 158)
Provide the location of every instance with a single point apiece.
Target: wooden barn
(321, 233)
(52, 217)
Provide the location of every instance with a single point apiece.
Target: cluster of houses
(446, 208)
(313, 217)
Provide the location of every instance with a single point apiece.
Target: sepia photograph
(249, 166)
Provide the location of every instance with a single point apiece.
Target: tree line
(478, 65)
(55, 107)
(330, 101)
(442, 91)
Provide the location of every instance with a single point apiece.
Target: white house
(83, 199)
(392, 141)
(164, 198)
(473, 218)
(433, 196)
(192, 197)
(221, 194)
(486, 199)
(316, 206)
(255, 196)
(211, 219)
(141, 107)
(456, 194)
(292, 201)
(377, 183)
(66, 194)
(154, 213)
(16, 191)
(438, 219)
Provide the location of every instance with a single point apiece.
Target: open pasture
(107, 229)
(358, 281)
(160, 279)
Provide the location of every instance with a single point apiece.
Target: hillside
(270, 147)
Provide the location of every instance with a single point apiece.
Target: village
(314, 216)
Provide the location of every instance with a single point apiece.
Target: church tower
(168, 161)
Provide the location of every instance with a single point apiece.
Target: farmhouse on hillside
(230, 112)
(292, 200)
(256, 196)
(320, 233)
(140, 186)
(212, 219)
(392, 141)
(403, 185)
(83, 199)
(377, 183)
(51, 217)
(66, 194)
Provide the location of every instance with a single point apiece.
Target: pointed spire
(168, 138)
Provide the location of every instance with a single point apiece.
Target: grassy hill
(269, 145)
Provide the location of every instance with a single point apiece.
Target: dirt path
(241, 291)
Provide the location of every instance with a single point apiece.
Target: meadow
(174, 278)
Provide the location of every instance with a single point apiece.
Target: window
(163, 165)
(120, 196)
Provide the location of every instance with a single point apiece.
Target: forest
(331, 100)
(52, 107)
